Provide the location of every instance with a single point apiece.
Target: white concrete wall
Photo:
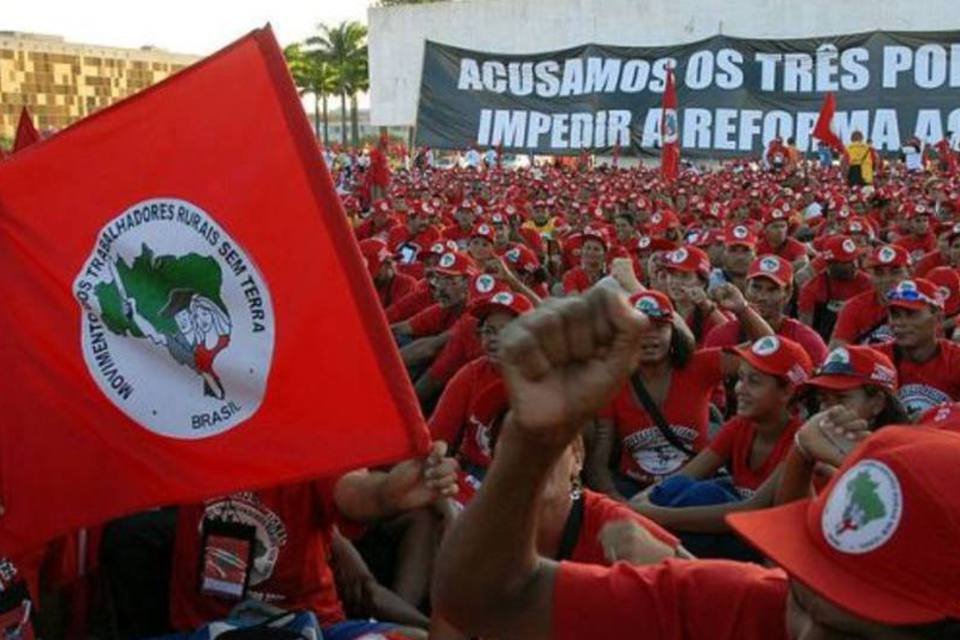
(397, 34)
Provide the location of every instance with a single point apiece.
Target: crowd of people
(641, 395)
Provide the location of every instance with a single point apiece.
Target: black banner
(735, 94)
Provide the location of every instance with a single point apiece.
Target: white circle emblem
(769, 264)
(177, 328)
(447, 260)
(863, 511)
(504, 297)
(849, 246)
(485, 283)
(886, 255)
(766, 345)
(740, 233)
(678, 256)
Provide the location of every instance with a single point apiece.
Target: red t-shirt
(734, 442)
(533, 240)
(863, 320)
(576, 280)
(598, 512)
(708, 324)
(463, 346)
(458, 235)
(434, 320)
(291, 567)
(928, 262)
(927, 384)
(366, 229)
(400, 285)
(672, 600)
(647, 455)
(411, 304)
(791, 250)
(728, 335)
(452, 419)
(833, 293)
(917, 246)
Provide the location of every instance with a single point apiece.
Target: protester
(863, 319)
(821, 298)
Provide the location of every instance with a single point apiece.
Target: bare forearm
(795, 483)
(754, 326)
(489, 575)
(423, 349)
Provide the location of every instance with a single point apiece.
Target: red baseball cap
(873, 542)
(503, 300)
(773, 267)
(777, 356)
(775, 214)
(838, 248)
(523, 258)
(888, 255)
(594, 233)
(689, 260)
(852, 366)
(741, 235)
(915, 294)
(947, 281)
(455, 263)
(483, 230)
(654, 304)
(375, 253)
(857, 224)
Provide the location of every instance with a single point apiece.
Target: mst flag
(669, 132)
(187, 312)
(27, 134)
(824, 130)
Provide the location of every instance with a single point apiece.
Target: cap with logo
(774, 214)
(852, 366)
(689, 260)
(740, 235)
(947, 281)
(777, 356)
(654, 304)
(942, 416)
(888, 255)
(878, 541)
(375, 253)
(455, 263)
(915, 294)
(502, 300)
(840, 249)
(594, 233)
(483, 230)
(522, 258)
(773, 267)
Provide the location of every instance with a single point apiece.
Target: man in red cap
(464, 216)
(820, 299)
(920, 238)
(861, 560)
(863, 319)
(390, 285)
(928, 365)
(380, 223)
(740, 244)
(409, 241)
(592, 262)
(949, 257)
(776, 237)
(769, 289)
(688, 270)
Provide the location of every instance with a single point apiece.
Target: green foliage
(149, 281)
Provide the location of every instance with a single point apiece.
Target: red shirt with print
(418, 299)
(452, 419)
(791, 250)
(824, 290)
(400, 285)
(291, 567)
(647, 455)
(598, 512)
(863, 320)
(729, 335)
(434, 320)
(925, 385)
(463, 346)
(734, 443)
(672, 600)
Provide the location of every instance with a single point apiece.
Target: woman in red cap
(688, 270)
(593, 262)
(861, 560)
(661, 416)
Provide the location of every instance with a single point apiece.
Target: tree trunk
(343, 118)
(354, 121)
(316, 115)
(326, 120)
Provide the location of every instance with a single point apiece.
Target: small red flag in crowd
(824, 130)
(27, 134)
(190, 314)
(669, 132)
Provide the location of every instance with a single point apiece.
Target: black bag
(654, 412)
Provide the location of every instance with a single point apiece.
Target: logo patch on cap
(648, 305)
(485, 283)
(886, 255)
(483, 230)
(864, 508)
(643, 242)
(769, 264)
(513, 254)
(740, 233)
(776, 214)
(447, 260)
(848, 246)
(503, 297)
(656, 218)
(678, 256)
(838, 356)
(766, 346)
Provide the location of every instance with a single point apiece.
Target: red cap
(689, 260)
(594, 233)
(382, 206)
(773, 267)
(917, 210)
(953, 232)
(775, 214)
(441, 248)
(646, 244)
(522, 258)
(840, 249)
(888, 255)
(872, 543)
(375, 253)
(663, 220)
(915, 294)
(483, 230)
(507, 301)
(947, 281)
(455, 263)
(654, 304)
(741, 235)
(777, 356)
(852, 366)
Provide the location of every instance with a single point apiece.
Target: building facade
(61, 82)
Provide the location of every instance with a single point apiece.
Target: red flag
(187, 310)
(823, 130)
(669, 132)
(26, 133)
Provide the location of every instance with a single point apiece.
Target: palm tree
(314, 75)
(344, 48)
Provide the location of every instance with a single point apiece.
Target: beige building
(60, 82)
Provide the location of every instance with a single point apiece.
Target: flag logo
(671, 128)
(177, 325)
(864, 508)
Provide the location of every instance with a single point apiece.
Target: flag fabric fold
(823, 130)
(669, 132)
(188, 313)
(27, 134)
